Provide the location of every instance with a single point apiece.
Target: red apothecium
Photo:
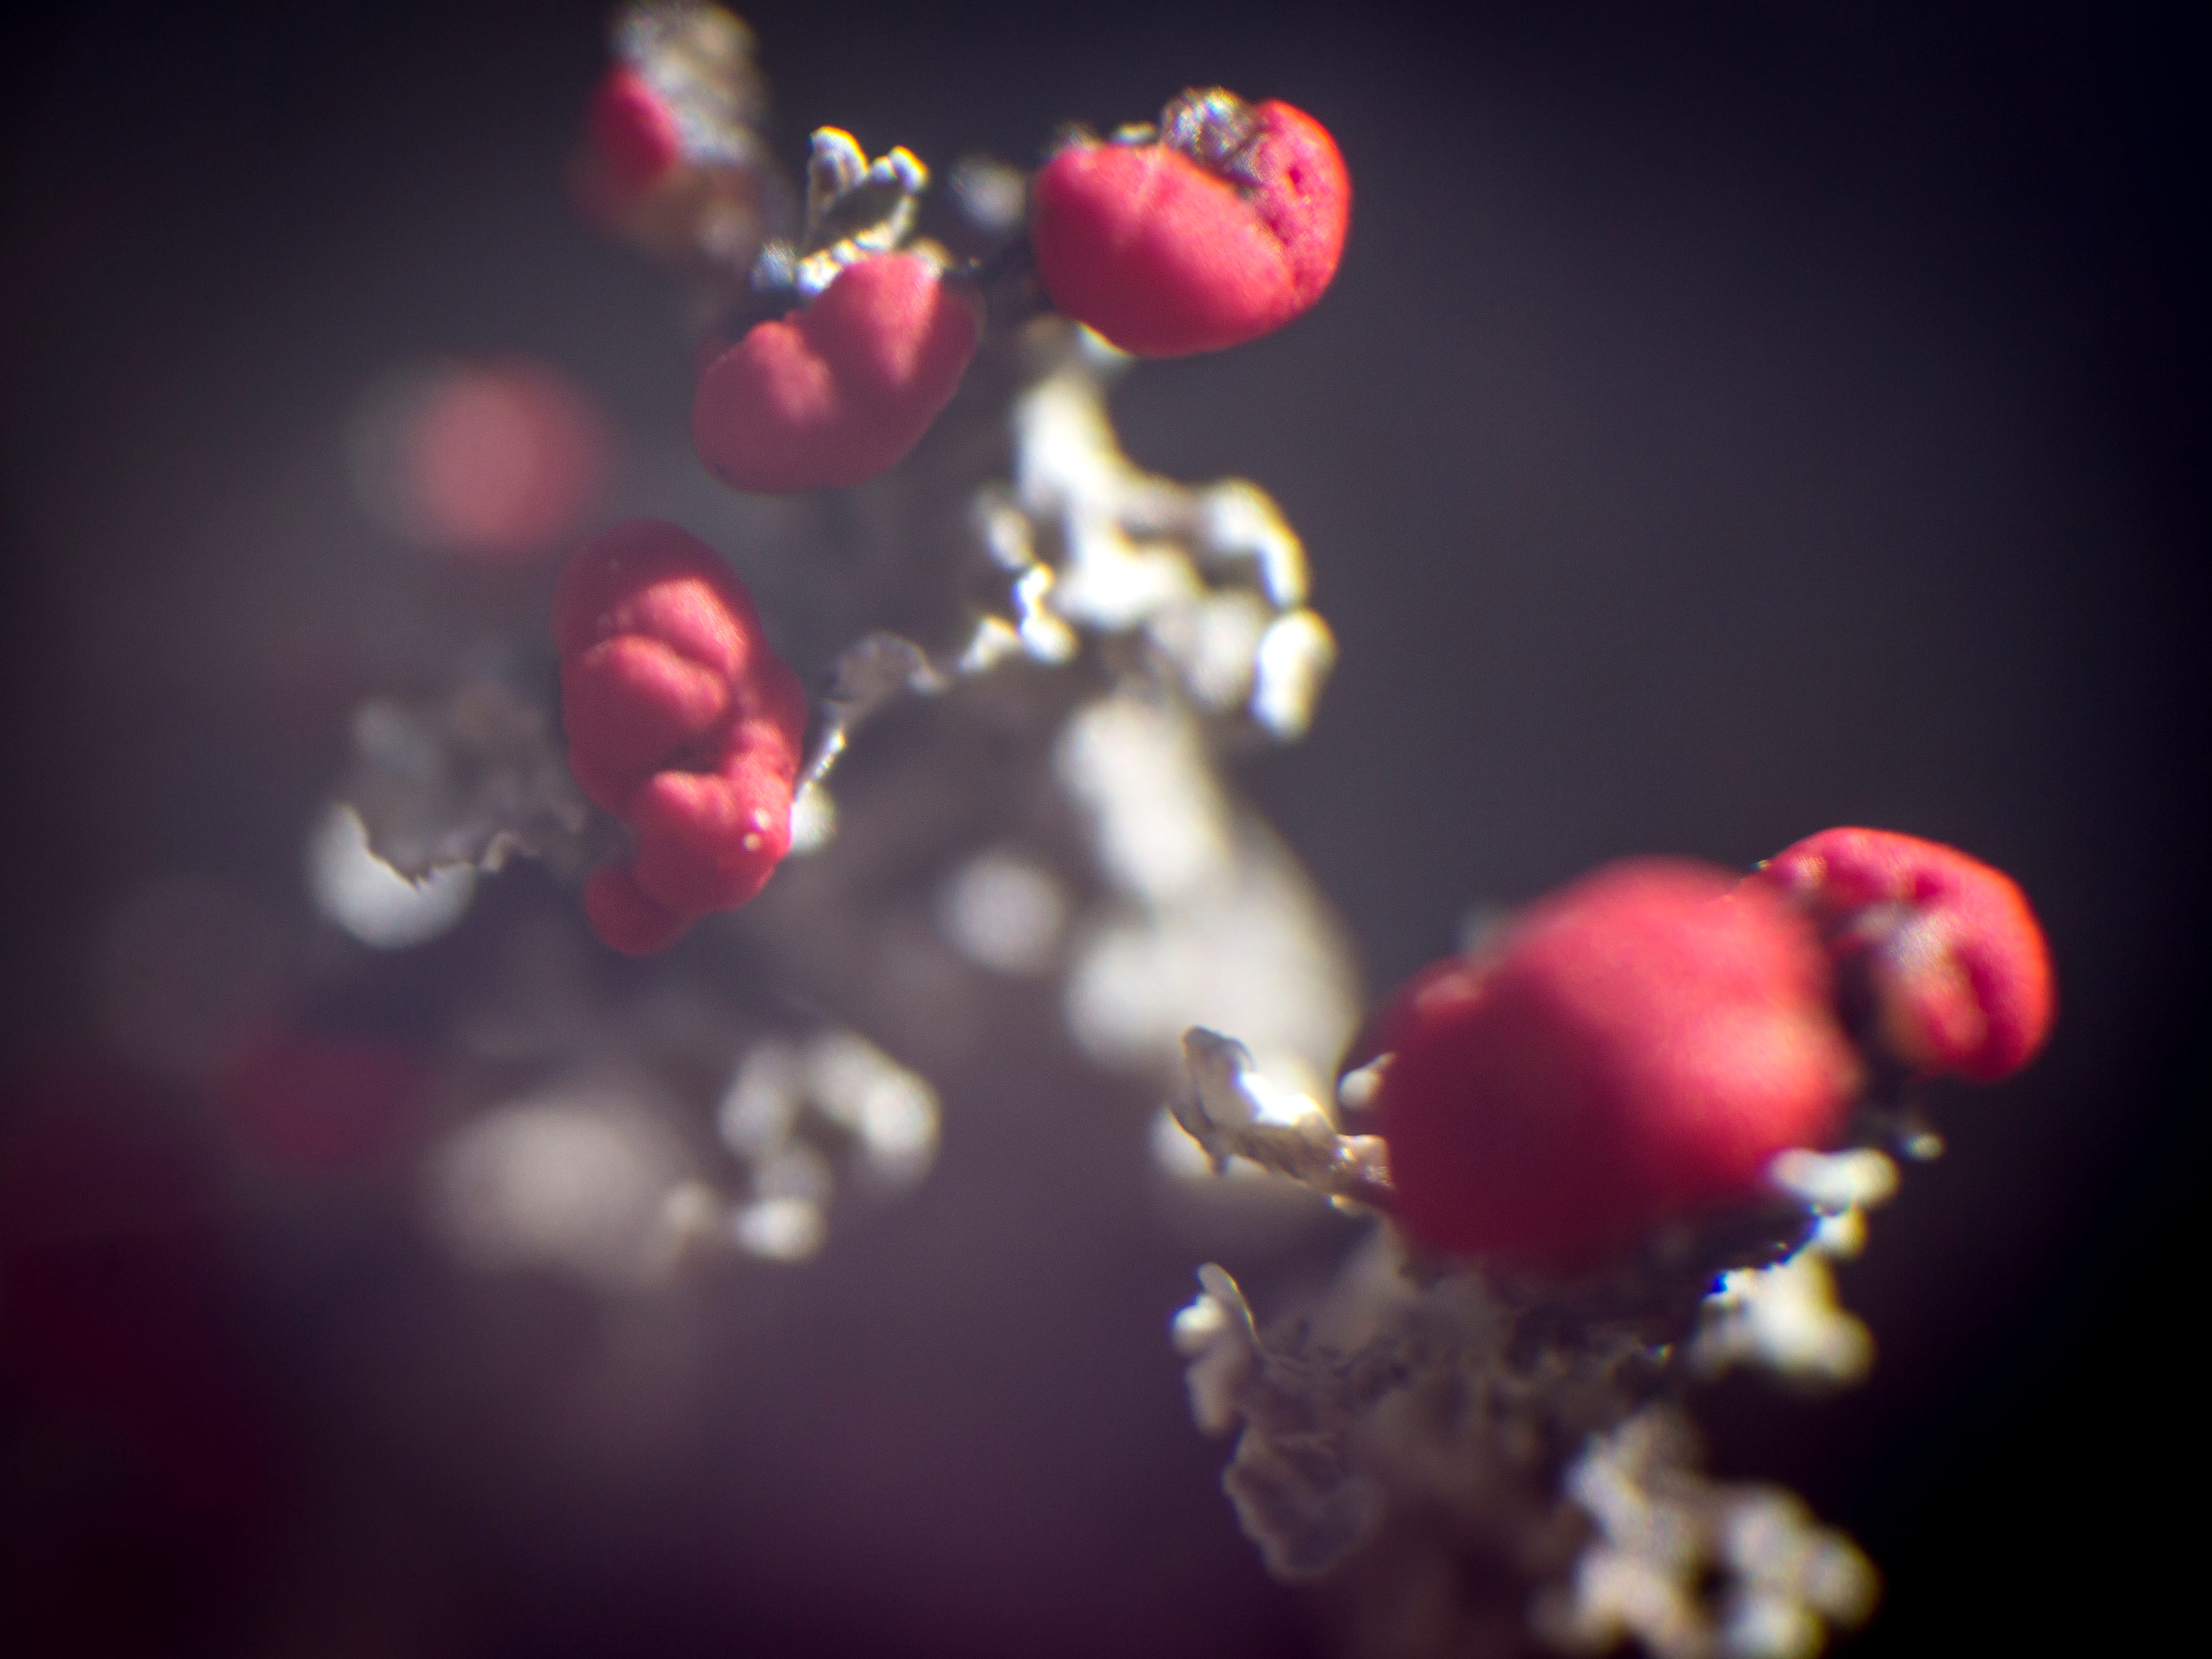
(1948, 956)
(1194, 243)
(1636, 1048)
(839, 391)
(681, 722)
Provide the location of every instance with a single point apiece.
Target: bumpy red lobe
(681, 722)
(1164, 257)
(840, 391)
(1952, 957)
(1637, 1048)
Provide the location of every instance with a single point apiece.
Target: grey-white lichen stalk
(1420, 1416)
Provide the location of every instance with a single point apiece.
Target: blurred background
(1729, 422)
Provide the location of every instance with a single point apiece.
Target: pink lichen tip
(681, 722)
(632, 145)
(633, 127)
(1633, 1049)
(1942, 950)
(1226, 227)
(839, 391)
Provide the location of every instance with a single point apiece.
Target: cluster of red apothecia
(1632, 1050)
(681, 722)
(1637, 1047)
(1218, 226)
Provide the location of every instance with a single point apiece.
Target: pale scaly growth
(1786, 1317)
(1210, 579)
(1419, 1416)
(1208, 916)
(789, 1106)
(855, 209)
(359, 892)
(468, 780)
(1232, 1111)
(1693, 1568)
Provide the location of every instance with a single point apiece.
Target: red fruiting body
(1636, 1048)
(631, 145)
(681, 722)
(840, 391)
(1948, 956)
(1165, 257)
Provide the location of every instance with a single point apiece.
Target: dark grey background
(1730, 421)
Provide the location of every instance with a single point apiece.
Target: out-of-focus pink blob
(492, 460)
(632, 145)
(318, 1104)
